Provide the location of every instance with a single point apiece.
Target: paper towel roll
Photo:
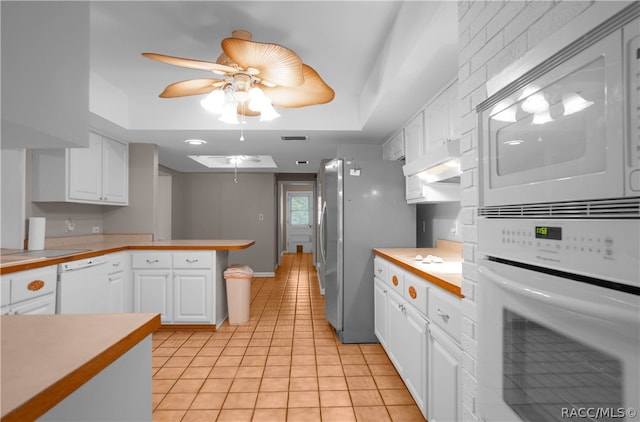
(36, 233)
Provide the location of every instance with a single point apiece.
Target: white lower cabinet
(29, 292)
(445, 387)
(152, 292)
(178, 285)
(192, 294)
(380, 310)
(119, 283)
(423, 343)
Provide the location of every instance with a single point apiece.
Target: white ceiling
(384, 60)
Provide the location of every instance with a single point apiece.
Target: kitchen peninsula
(182, 280)
(77, 367)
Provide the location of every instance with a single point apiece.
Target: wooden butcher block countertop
(11, 261)
(445, 275)
(47, 357)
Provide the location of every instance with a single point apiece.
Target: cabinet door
(436, 122)
(393, 149)
(414, 138)
(414, 188)
(115, 165)
(193, 296)
(396, 329)
(380, 310)
(117, 292)
(152, 293)
(444, 380)
(415, 345)
(85, 170)
(43, 305)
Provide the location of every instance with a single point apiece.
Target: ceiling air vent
(295, 138)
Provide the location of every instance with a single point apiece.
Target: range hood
(441, 164)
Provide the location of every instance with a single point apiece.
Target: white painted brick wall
(493, 34)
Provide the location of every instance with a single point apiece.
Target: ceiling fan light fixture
(214, 102)
(230, 114)
(268, 113)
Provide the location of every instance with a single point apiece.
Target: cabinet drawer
(415, 292)
(380, 268)
(445, 310)
(33, 283)
(151, 260)
(192, 260)
(395, 278)
(116, 262)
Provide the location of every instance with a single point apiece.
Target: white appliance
(83, 286)
(569, 128)
(559, 236)
(554, 346)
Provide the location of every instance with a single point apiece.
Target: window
(299, 209)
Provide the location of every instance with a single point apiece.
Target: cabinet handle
(443, 315)
(151, 261)
(35, 285)
(379, 270)
(191, 261)
(116, 264)
(412, 292)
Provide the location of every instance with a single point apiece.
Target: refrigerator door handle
(323, 214)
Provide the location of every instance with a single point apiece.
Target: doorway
(299, 221)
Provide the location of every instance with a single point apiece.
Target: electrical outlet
(69, 226)
(260, 217)
(95, 229)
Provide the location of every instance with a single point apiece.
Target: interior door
(300, 221)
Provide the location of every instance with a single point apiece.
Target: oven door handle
(566, 302)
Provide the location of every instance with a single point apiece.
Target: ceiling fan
(249, 77)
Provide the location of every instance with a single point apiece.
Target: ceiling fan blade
(191, 87)
(246, 111)
(313, 91)
(192, 64)
(274, 62)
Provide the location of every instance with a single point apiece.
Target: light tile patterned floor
(284, 364)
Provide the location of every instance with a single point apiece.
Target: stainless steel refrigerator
(364, 208)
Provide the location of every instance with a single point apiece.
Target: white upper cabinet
(442, 119)
(98, 174)
(414, 138)
(393, 149)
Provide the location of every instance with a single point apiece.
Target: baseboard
(264, 274)
(187, 327)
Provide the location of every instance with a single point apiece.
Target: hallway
(284, 364)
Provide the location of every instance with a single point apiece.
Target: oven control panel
(605, 249)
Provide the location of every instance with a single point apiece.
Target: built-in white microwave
(568, 130)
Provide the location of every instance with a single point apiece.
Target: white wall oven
(568, 129)
(559, 237)
(559, 320)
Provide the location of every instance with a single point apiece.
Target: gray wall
(439, 221)
(212, 206)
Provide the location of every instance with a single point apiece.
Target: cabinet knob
(412, 292)
(394, 280)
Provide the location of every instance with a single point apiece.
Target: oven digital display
(546, 232)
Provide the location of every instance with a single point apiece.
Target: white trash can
(238, 279)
